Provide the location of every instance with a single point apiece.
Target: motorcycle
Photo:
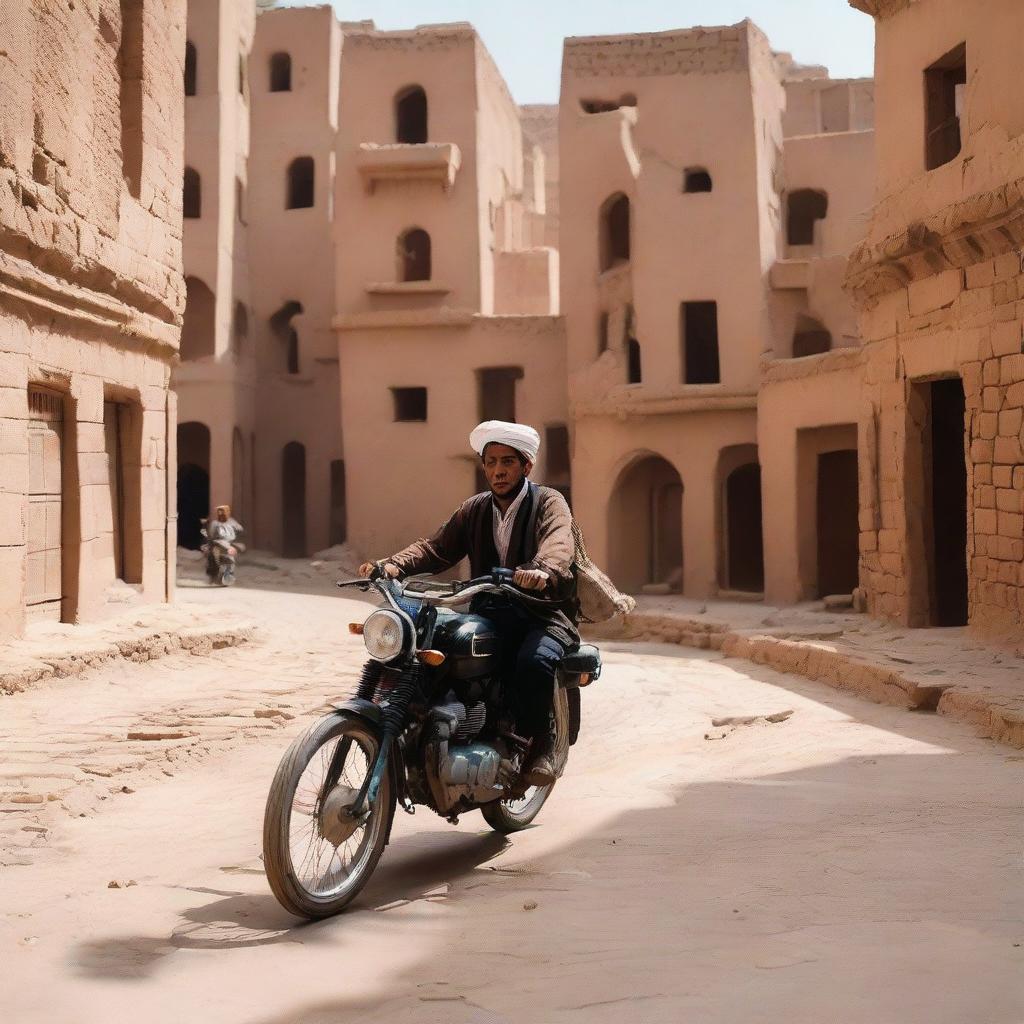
(430, 725)
(220, 560)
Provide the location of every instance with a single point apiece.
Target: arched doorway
(744, 547)
(193, 482)
(293, 500)
(645, 525)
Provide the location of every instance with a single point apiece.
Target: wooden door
(43, 589)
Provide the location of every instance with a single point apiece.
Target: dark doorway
(293, 500)
(301, 183)
(193, 482)
(411, 116)
(838, 523)
(948, 503)
(645, 526)
(745, 554)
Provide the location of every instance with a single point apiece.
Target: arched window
(804, 207)
(190, 68)
(241, 75)
(414, 255)
(198, 326)
(192, 195)
(281, 72)
(301, 178)
(810, 338)
(240, 331)
(288, 337)
(615, 231)
(411, 116)
(696, 179)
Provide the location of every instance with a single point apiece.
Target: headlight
(384, 635)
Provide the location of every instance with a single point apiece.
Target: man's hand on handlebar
(531, 579)
(391, 570)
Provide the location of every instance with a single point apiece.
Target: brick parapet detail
(694, 51)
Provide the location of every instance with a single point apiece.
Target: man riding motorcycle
(518, 525)
(222, 545)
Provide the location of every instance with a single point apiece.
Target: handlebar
(498, 581)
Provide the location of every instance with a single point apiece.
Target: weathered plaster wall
(90, 289)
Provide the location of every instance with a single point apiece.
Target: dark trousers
(533, 653)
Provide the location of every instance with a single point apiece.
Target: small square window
(410, 405)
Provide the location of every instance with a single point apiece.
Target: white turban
(524, 439)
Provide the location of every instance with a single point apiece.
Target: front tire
(508, 816)
(316, 860)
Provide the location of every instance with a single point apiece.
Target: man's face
(222, 516)
(504, 470)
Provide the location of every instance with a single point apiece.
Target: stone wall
(91, 297)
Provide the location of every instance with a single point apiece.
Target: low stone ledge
(993, 710)
(19, 674)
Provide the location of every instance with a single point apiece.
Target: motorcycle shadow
(413, 865)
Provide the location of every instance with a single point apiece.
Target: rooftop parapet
(425, 37)
(881, 8)
(678, 52)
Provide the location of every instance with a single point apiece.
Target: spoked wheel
(507, 816)
(316, 857)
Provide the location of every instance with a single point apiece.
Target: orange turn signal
(433, 658)
(584, 679)
(355, 628)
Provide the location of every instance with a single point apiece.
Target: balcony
(430, 162)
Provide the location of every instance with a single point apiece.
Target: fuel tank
(471, 643)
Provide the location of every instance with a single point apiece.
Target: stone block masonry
(91, 297)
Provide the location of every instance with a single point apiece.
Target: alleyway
(853, 863)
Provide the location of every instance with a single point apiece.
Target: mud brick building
(90, 304)
(939, 284)
(711, 192)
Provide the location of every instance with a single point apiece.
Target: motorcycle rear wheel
(508, 816)
(295, 816)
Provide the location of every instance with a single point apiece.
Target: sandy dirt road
(854, 863)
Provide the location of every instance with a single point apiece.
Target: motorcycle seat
(585, 660)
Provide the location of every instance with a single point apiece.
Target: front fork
(394, 713)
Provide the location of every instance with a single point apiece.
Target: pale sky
(525, 36)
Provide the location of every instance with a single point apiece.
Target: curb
(37, 669)
(807, 655)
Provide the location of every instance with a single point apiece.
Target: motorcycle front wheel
(317, 859)
(508, 816)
